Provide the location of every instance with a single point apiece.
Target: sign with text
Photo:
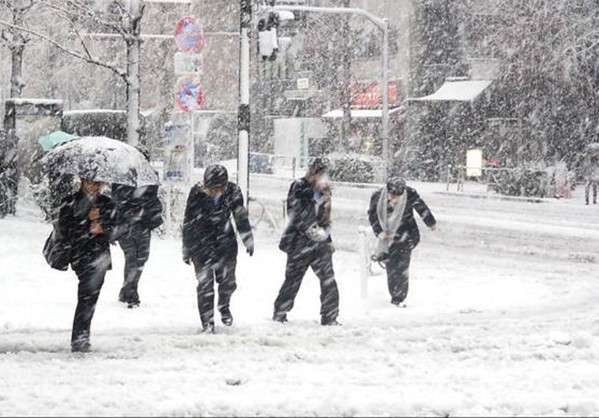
(176, 148)
(368, 94)
(188, 63)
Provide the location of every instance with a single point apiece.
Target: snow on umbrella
(593, 147)
(58, 137)
(102, 159)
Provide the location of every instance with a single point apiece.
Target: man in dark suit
(139, 212)
(210, 242)
(86, 223)
(391, 215)
(307, 242)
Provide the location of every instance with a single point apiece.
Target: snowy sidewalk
(495, 330)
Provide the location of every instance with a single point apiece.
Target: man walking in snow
(591, 176)
(139, 212)
(210, 242)
(391, 215)
(86, 222)
(307, 242)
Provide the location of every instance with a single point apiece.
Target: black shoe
(81, 347)
(226, 317)
(122, 297)
(329, 323)
(133, 304)
(398, 304)
(208, 329)
(280, 317)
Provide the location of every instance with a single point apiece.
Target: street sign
(189, 93)
(176, 148)
(368, 94)
(189, 34)
(188, 63)
(303, 83)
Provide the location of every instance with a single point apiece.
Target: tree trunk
(9, 167)
(16, 76)
(133, 81)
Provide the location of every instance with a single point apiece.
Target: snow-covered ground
(502, 319)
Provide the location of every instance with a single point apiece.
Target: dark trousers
(320, 259)
(136, 247)
(398, 273)
(223, 272)
(590, 185)
(90, 271)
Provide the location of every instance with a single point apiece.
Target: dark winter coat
(208, 234)
(74, 227)
(137, 207)
(303, 214)
(407, 235)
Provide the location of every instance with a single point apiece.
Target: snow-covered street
(502, 319)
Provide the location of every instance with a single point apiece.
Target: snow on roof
(359, 113)
(24, 101)
(456, 90)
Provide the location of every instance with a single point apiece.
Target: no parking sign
(189, 34)
(189, 93)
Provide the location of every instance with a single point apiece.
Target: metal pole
(383, 25)
(243, 121)
(191, 152)
(385, 93)
(380, 23)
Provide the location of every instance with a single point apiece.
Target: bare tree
(16, 41)
(114, 18)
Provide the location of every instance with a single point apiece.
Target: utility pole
(244, 116)
(346, 77)
(385, 94)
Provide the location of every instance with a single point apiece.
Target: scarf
(390, 222)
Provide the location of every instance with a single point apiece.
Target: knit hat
(216, 176)
(396, 186)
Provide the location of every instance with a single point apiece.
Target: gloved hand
(250, 248)
(383, 236)
(318, 234)
(433, 228)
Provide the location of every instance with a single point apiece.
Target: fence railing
(490, 176)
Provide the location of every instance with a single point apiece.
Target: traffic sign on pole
(188, 63)
(189, 34)
(189, 93)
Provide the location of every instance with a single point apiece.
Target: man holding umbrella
(210, 242)
(391, 215)
(87, 220)
(86, 224)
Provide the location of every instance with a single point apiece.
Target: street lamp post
(383, 26)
